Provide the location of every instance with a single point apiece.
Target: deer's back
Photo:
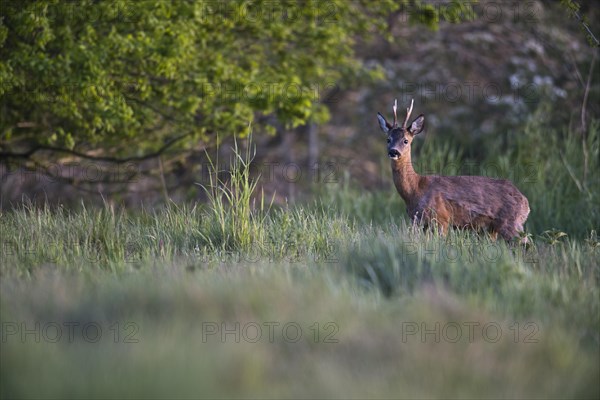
(472, 201)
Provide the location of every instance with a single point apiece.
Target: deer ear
(383, 124)
(417, 125)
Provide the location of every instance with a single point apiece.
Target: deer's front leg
(438, 217)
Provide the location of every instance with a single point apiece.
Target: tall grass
(349, 259)
(235, 224)
(368, 280)
(562, 196)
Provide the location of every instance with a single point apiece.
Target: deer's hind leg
(508, 232)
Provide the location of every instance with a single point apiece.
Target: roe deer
(474, 202)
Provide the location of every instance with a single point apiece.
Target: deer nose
(393, 153)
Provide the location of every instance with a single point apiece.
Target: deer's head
(399, 138)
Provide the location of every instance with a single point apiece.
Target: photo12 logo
(255, 12)
(68, 332)
(470, 331)
(269, 332)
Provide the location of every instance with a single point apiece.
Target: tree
(121, 80)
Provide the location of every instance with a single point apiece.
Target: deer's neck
(406, 179)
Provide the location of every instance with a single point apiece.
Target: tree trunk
(313, 147)
(289, 141)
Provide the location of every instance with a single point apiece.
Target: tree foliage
(120, 79)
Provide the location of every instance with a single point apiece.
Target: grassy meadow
(339, 297)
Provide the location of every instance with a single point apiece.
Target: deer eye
(405, 141)
(389, 140)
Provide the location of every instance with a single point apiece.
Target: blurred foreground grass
(319, 305)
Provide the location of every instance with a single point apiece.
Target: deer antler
(408, 112)
(395, 108)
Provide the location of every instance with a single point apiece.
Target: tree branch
(115, 160)
(587, 28)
